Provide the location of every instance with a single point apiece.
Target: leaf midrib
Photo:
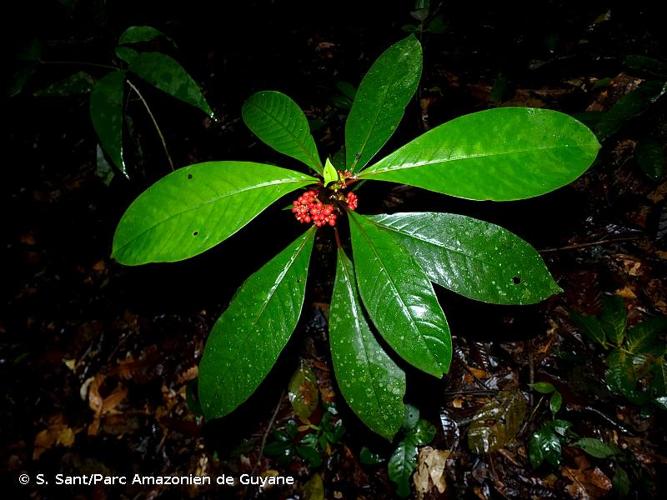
(303, 149)
(216, 199)
(392, 168)
(393, 285)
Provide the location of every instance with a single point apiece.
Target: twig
(591, 244)
(79, 63)
(157, 127)
(339, 244)
(265, 436)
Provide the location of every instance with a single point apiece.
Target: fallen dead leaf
(57, 433)
(430, 471)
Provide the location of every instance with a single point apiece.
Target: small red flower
(352, 200)
(308, 208)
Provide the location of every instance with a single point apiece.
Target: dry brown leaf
(57, 433)
(187, 375)
(430, 471)
(587, 482)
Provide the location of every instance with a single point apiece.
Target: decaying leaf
(497, 423)
(102, 405)
(57, 433)
(430, 471)
(314, 488)
(587, 482)
(303, 393)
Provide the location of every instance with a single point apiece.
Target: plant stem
(337, 236)
(157, 127)
(268, 430)
(79, 63)
(591, 244)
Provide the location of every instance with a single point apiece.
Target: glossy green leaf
(330, 174)
(139, 34)
(622, 378)
(247, 339)
(194, 208)
(367, 457)
(303, 392)
(369, 380)
(402, 464)
(279, 123)
(497, 422)
(422, 433)
(591, 327)
(476, 259)
(555, 402)
(399, 298)
(614, 318)
(380, 101)
(166, 74)
(544, 444)
(644, 338)
(596, 448)
(411, 417)
(543, 387)
(651, 158)
(500, 154)
(106, 113)
(76, 84)
(629, 106)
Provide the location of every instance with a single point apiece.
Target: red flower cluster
(308, 208)
(352, 200)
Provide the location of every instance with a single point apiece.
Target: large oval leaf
(369, 380)
(141, 34)
(247, 339)
(399, 298)
(497, 423)
(106, 113)
(500, 154)
(166, 74)
(380, 102)
(476, 259)
(194, 208)
(279, 122)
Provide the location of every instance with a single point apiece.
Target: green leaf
(76, 84)
(543, 387)
(555, 402)
(399, 298)
(651, 158)
(310, 455)
(596, 448)
(544, 444)
(497, 422)
(622, 378)
(423, 433)
(402, 464)
(194, 208)
(126, 54)
(139, 34)
(628, 107)
(106, 113)
(621, 482)
(279, 123)
(314, 488)
(247, 339)
(476, 259)
(166, 74)
(303, 392)
(591, 327)
(367, 457)
(647, 65)
(103, 169)
(644, 338)
(330, 173)
(411, 417)
(380, 101)
(369, 380)
(500, 154)
(614, 318)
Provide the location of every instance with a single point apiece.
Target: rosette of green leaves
(386, 287)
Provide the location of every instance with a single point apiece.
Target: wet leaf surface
(497, 423)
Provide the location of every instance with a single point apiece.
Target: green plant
(636, 360)
(107, 90)
(500, 154)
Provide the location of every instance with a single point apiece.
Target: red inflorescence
(352, 201)
(308, 208)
